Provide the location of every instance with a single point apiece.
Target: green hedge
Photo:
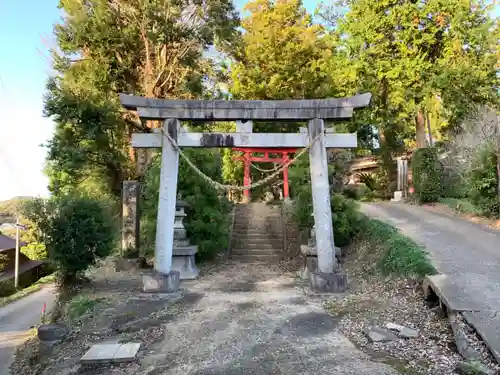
(426, 175)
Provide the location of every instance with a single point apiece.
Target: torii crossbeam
(328, 277)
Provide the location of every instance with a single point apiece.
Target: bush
(345, 215)
(206, 223)
(358, 192)
(426, 175)
(483, 182)
(76, 231)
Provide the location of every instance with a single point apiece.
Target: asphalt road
(465, 253)
(17, 318)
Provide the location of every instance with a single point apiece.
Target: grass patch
(80, 305)
(461, 205)
(381, 248)
(27, 291)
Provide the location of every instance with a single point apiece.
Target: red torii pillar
(247, 158)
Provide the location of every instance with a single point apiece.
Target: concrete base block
(310, 264)
(127, 264)
(328, 282)
(185, 266)
(398, 196)
(183, 261)
(160, 283)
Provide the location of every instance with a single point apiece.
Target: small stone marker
(111, 353)
(376, 334)
(403, 332)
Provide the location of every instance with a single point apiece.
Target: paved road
(467, 253)
(16, 320)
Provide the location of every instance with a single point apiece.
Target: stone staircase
(257, 233)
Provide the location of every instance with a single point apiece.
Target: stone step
(258, 240)
(256, 258)
(254, 224)
(258, 223)
(261, 246)
(251, 229)
(259, 237)
(249, 251)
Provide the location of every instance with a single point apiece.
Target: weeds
(393, 254)
(80, 305)
(461, 205)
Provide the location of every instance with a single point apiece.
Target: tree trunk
(428, 120)
(420, 130)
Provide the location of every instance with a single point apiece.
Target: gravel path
(467, 253)
(251, 319)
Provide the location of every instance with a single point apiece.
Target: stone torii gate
(329, 277)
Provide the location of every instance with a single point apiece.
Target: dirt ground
(236, 319)
(249, 319)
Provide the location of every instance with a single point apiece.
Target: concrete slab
(111, 353)
(449, 293)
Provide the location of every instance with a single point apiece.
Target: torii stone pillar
(328, 277)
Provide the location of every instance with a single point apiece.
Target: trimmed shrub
(76, 231)
(484, 181)
(426, 175)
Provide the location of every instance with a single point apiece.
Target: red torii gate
(248, 158)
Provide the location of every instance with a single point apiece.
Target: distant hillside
(9, 209)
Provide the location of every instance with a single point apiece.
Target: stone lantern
(183, 254)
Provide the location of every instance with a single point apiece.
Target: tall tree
(408, 53)
(146, 47)
(281, 54)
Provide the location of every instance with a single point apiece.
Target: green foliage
(461, 205)
(281, 54)
(484, 182)
(369, 180)
(35, 251)
(426, 175)
(151, 48)
(397, 254)
(345, 215)
(358, 192)
(80, 305)
(76, 230)
(416, 57)
(207, 219)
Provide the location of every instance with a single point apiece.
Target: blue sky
(25, 37)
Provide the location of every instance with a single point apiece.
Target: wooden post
(16, 265)
(247, 179)
(285, 176)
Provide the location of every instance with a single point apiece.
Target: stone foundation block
(310, 264)
(335, 282)
(398, 196)
(161, 283)
(183, 261)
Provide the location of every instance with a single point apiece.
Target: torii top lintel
(231, 110)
